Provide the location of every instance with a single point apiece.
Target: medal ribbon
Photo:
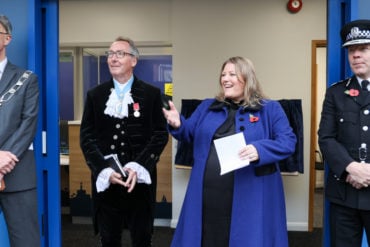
(136, 107)
(121, 91)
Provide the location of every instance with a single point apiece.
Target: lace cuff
(102, 183)
(142, 173)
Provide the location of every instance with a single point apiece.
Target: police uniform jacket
(344, 126)
(140, 139)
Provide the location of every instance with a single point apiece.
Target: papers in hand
(115, 164)
(227, 149)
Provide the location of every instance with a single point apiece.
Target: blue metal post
(4, 240)
(339, 13)
(44, 59)
(35, 46)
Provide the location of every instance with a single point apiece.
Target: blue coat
(258, 211)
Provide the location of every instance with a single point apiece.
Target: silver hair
(133, 47)
(5, 22)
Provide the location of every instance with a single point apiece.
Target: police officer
(344, 139)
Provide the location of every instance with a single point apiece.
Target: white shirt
(360, 80)
(368, 85)
(2, 66)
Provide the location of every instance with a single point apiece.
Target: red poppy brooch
(253, 118)
(352, 92)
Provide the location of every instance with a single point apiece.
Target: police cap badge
(356, 33)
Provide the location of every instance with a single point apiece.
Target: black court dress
(218, 192)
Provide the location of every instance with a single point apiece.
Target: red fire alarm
(294, 5)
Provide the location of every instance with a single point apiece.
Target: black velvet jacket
(140, 139)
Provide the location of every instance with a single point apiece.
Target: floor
(318, 208)
(81, 235)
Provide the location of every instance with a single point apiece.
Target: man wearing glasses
(123, 124)
(18, 113)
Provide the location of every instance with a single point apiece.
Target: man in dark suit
(123, 117)
(18, 114)
(344, 138)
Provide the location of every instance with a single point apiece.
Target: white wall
(203, 35)
(100, 22)
(320, 94)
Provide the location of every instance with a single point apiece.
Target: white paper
(227, 149)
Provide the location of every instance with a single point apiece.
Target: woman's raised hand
(172, 115)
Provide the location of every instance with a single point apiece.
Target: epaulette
(347, 81)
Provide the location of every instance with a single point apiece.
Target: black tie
(364, 84)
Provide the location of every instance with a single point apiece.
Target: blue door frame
(38, 51)
(45, 61)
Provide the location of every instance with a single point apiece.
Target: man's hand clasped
(7, 162)
(359, 175)
(116, 178)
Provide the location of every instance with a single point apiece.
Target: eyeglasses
(3, 33)
(119, 54)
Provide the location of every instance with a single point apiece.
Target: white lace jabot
(116, 107)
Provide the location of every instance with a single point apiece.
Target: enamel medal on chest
(136, 110)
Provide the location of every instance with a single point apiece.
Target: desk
(64, 160)
(64, 183)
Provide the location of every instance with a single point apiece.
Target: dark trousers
(131, 211)
(347, 226)
(21, 216)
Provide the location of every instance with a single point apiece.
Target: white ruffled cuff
(142, 173)
(143, 176)
(102, 182)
